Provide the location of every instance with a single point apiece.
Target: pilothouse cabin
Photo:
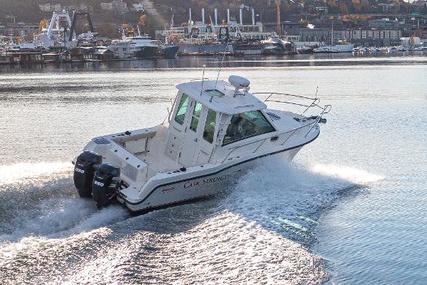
(210, 115)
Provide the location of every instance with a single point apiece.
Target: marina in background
(70, 36)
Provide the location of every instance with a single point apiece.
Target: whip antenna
(221, 63)
(203, 79)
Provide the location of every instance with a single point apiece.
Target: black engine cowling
(84, 171)
(105, 184)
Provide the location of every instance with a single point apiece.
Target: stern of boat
(111, 164)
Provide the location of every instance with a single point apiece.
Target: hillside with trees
(106, 22)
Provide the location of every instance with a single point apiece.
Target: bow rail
(298, 100)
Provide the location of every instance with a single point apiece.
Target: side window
(247, 125)
(209, 131)
(196, 116)
(182, 109)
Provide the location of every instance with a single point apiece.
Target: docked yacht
(340, 48)
(214, 132)
(277, 46)
(141, 47)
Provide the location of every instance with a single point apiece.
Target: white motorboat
(277, 46)
(141, 47)
(214, 132)
(341, 48)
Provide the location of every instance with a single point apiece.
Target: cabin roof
(228, 104)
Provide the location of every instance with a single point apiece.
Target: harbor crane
(278, 15)
(278, 19)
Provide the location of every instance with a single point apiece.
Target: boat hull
(147, 52)
(334, 49)
(169, 52)
(247, 49)
(199, 187)
(205, 49)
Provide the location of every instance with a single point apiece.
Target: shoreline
(213, 63)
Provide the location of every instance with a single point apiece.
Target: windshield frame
(262, 115)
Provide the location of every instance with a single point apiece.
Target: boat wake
(253, 232)
(352, 175)
(39, 199)
(289, 198)
(26, 171)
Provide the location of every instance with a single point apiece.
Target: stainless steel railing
(313, 102)
(263, 140)
(277, 97)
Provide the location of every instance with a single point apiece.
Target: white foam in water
(284, 186)
(52, 216)
(20, 171)
(286, 197)
(56, 218)
(260, 224)
(351, 174)
(100, 218)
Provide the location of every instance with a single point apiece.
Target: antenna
(221, 63)
(203, 79)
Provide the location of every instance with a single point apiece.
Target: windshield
(246, 125)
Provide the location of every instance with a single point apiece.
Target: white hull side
(197, 188)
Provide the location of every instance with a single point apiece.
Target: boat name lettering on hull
(168, 189)
(190, 184)
(216, 179)
(208, 180)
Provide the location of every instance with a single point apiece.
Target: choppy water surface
(352, 206)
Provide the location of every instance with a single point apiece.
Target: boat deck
(156, 157)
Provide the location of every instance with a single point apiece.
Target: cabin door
(207, 136)
(192, 133)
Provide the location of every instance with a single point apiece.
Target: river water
(349, 210)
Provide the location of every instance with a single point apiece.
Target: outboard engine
(105, 185)
(84, 170)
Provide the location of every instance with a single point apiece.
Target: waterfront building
(18, 29)
(369, 37)
(116, 6)
(48, 7)
(384, 23)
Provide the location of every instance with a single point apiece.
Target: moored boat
(141, 47)
(277, 46)
(247, 47)
(340, 48)
(204, 47)
(169, 51)
(305, 50)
